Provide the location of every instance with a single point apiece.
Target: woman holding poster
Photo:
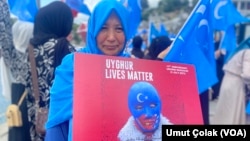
(107, 35)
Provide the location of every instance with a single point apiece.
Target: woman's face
(111, 38)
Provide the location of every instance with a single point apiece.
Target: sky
(45, 2)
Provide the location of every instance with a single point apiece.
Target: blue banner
(153, 32)
(224, 14)
(134, 8)
(79, 6)
(228, 42)
(163, 30)
(194, 45)
(25, 10)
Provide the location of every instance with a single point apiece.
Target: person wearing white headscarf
(13, 43)
(52, 24)
(231, 106)
(5, 40)
(22, 33)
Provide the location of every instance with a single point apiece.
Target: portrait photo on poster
(146, 118)
(116, 92)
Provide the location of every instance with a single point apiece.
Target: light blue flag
(79, 6)
(224, 17)
(224, 14)
(153, 32)
(194, 45)
(163, 30)
(134, 8)
(25, 10)
(248, 108)
(228, 42)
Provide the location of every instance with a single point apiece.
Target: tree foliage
(166, 6)
(145, 9)
(172, 5)
(144, 4)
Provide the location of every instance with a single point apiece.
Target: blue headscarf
(98, 18)
(61, 93)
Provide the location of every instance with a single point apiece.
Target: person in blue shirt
(107, 35)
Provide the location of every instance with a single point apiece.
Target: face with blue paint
(145, 106)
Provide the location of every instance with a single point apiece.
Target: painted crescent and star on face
(139, 97)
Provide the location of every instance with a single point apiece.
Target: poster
(102, 85)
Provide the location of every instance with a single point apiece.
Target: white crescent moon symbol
(201, 9)
(138, 98)
(203, 22)
(217, 8)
